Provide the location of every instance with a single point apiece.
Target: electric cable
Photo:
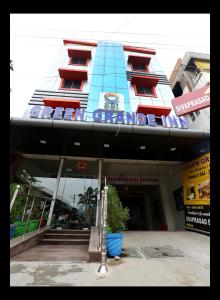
(118, 32)
(111, 41)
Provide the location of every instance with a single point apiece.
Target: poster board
(196, 189)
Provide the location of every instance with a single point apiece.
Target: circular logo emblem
(111, 101)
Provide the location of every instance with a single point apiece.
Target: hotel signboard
(192, 101)
(196, 189)
(107, 116)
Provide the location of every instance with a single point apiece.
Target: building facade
(189, 74)
(104, 112)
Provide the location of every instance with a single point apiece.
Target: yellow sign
(196, 181)
(202, 65)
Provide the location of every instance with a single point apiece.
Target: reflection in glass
(78, 190)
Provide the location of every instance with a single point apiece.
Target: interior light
(142, 147)
(77, 143)
(202, 150)
(43, 142)
(172, 149)
(106, 145)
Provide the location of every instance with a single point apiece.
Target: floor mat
(152, 252)
(131, 252)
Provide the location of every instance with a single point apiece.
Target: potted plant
(117, 217)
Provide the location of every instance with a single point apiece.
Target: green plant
(19, 204)
(89, 199)
(117, 215)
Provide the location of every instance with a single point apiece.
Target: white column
(55, 192)
(14, 197)
(167, 204)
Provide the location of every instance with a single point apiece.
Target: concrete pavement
(193, 269)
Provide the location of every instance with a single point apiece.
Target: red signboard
(193, 101)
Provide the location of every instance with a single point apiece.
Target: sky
(36, 38)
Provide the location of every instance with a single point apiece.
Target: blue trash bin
(114, 243)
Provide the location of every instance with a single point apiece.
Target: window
(141, 90)
(71, 84)
(192, 116)
(78, 61)
(79, 57)
(139, 67)
(144, 86)
(139, 63)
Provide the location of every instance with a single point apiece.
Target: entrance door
(145, 206)
(76, 202)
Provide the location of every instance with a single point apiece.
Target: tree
(89, 199)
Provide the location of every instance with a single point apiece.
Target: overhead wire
(111, 41)
(118, 32)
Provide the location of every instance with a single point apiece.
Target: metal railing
(102, 223)
(32, 201)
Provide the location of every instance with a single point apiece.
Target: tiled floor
(191, 269)
(77, 253)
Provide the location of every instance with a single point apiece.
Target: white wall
(169, 183)
(52, 80)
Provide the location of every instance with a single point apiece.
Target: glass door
(76, 200)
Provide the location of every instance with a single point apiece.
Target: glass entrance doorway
(75, 207)
(145, 206)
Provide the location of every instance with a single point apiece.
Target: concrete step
(64, 236)
(70, 231)
(45, 241)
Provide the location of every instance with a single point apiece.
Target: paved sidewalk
(192, 269)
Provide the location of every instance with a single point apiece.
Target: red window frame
(145, 95)
(70, 89)
(85, 65)
(146, 68)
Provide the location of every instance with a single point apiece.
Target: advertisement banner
(196, 189)
(197, 217)
(192, 101)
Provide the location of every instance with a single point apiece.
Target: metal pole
(99, 190)
(26, 226)
(101, 218)
(29, 189)
(55, 192)
(41, 218)
(103, 269)
(14, 197)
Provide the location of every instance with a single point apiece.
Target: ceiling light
(77, 143)
(43, 142)
(172, 149)
(202, 150)
(106, 145)
(142, 147)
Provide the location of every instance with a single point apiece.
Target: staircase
(66, 237)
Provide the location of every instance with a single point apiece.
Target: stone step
(64, 241)
(70, 231)
(66, 236)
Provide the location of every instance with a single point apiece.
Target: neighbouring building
(189, 74)
(104, 112)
